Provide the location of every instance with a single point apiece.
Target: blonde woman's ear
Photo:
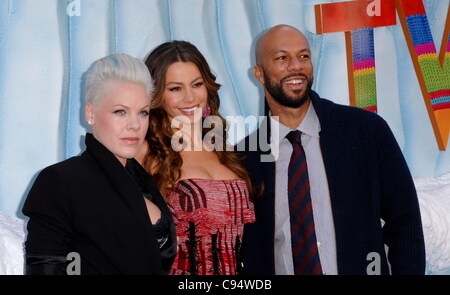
(88, 114)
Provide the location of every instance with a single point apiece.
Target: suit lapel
(127, 188)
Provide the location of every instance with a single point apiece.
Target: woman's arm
(49, 236)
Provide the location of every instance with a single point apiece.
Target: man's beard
(280, 96)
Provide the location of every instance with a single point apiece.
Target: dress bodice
(210, 216)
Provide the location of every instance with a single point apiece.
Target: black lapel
(126, 187)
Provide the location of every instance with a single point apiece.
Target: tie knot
(294, 137)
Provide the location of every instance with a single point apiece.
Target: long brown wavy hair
(161, 161)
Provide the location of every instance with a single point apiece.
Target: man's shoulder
(349, 113)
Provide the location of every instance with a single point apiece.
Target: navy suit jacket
(368, 180)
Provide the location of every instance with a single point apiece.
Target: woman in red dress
(204, 183)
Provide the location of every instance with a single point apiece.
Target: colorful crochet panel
(363, 57)
(432, 71)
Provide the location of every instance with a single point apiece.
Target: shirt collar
(309, 126)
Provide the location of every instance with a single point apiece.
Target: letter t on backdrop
(357, 19)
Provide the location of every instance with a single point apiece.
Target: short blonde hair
(120, 67)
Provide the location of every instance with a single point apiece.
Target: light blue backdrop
(44, 51)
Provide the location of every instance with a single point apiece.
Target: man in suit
(365, 209)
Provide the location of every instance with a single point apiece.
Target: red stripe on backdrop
(352, 15)
(412, 7)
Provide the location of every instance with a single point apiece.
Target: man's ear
(258, 73)
(89, 114)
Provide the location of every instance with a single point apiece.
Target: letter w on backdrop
(357, 19)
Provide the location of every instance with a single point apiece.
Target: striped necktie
(303, 236)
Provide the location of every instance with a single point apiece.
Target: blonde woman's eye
(119, 112)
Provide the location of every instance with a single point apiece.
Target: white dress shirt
(320, 195)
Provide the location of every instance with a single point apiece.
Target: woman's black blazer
(90, 204)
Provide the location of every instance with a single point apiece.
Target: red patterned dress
(210, 217)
